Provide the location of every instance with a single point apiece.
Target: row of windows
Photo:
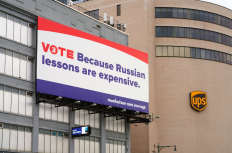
(112, 124)
(193, 52)
(15, 100)
(16, 29)
(194, 34)
(14, 137)
(87, 145)
(114, 146)
(15, 64)
(84, 117)
(50, 112)
(193, 15)
(53, 142)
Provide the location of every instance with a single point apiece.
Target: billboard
(78, 65)
(81, 131)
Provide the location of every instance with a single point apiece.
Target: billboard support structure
(130, 115)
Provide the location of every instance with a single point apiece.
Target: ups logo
(198, 100)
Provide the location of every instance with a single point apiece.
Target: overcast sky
(225, 3)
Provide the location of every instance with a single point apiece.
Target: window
(212, 55)
(217, 56)
(170, 51)
(164, 31)
(203, 53)
(219, 19)
(176, 51)
(207, 56)
(227, 22)
(176, 31)
(215, 18)
(47, 139)
(158, 51)
(197, 15)
(119, 10)
(215, 36)
(193, 52)
(13, 138)
(175, 13)
(186, 13)
(211, 36)
(15, 101)
(192, 14)
(192, 33)
(158, 31)
(197, 34)
(93, 13)
(85, 117)
(112, 124)
(206, 35)
(114, 146)
(181, 13)
(157, 12)
(202, 15)
(181, 32)
(87, 145)
(198, 53)
(170, 31)
(169, 12)
(223, 21)
(211, 17)
(186, 32)
(206, 17)
(202, 32)
(163, 12)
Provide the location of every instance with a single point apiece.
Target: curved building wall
(175, 77)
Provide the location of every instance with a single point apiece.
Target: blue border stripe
(87, 95)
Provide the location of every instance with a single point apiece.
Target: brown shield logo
(198, 100)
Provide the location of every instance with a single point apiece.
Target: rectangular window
(215, 36)
(197, 15)
(186, 13)
(212, 55)
(230, 23)
(215, 18)
(30, 35)
(192, 14)
(224, 58)
(175, 13)
(181, 51)
(157, 12)
(181, 13)
(165, 50)
(211, 17)
(158, 31)
(17, 29)
(202, 32)
(24, 32)
(164, 31)
(224, 39)
(170, 51)
(119, 10)
(193, 52)
(176, 31)
(170, 31)
(192, 33)
(202, 16)
(211, 36)
(228, 40)
(186, 32)
(198, 53)
(228, 58)
(206, 17)
(219, 38)
(206, 35)
(219, 19)
(10, 27)
(8, 69)
(176, 51)
(169, 12)
(230, 43)
(163, 12)
(227, 22)
(197, 34)
(187, 52)
(217, 56)
(207, 55)
(2, 24)
(221, 56)
(181, 32)
(223, 21)
(203, 53)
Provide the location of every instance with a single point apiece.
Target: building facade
(27, 125)
(189, 46)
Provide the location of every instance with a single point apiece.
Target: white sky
(225, 3)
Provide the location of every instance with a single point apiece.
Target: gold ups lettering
(198, 100)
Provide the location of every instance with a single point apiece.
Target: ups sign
(198, 100)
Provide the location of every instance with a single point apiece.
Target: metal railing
(120, 26)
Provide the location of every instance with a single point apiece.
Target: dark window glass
(14, 127)
(170, 31)
(23, 57)
(223, 21)
(197, 34)
(181, 32)
(22, 92)
(215, 36)
(212, 55)
(41, 131)
(207, 54)
(227, 22)
(17, 20)
(28, 129)
(211, 17)
(175, 12)
(228, 40)
(163, 12)
(206, 35)
(169, 12)
(2, 50)
(203, 53)
(96, 14)
(230, 23)
(175, 31)
(158, 31)
(21, 128)
(157, 12)
(8, 88)
(9, 17)
(202, 34)
(198, 53)
(202, 16)
(211, 37)
(219, 19)
(219, 38)
(193, 52)
(3, 14)
(48, 132)
(186, 14)
(206, 16)
(215, 18)
(217, 56)
(1, 87)
(225, 57)
(181, 13)
(192, 33)
(192, 14)
(186, 32)
(6, 126)
(24, 23)
(15, 90)
(119, 10)
(228, 58)
(197, 15)
(224, 39)
(164, 31)
(221, 56)
(231, 41)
